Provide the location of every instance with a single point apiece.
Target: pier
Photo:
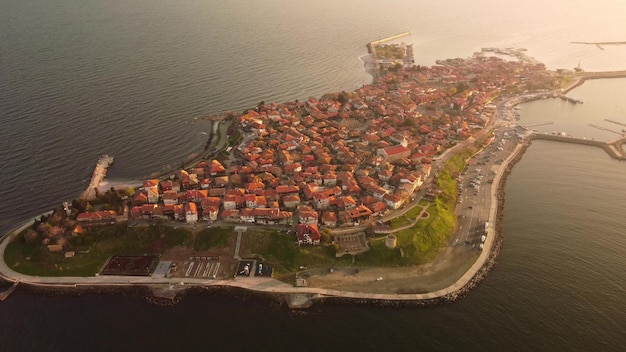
(599, 44)
(605, 129)
(99, 173)
(615, 122)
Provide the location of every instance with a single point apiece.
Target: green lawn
(212, 238)
(92, 249)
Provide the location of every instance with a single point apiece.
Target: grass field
(92, 249)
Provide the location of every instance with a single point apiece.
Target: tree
(343, 97)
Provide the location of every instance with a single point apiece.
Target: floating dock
(99, 173)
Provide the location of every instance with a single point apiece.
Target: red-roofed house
(191, 213)
(210, 212)
(394, 152)
(308, 234)
(96, 218)
(329, 218)
(321, 200)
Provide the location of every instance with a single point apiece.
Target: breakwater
(370, 45)
(580, 78)
(612, 148)
(99, 173)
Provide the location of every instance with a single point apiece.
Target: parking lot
(203, 267)
(474, 188)
(251, 267)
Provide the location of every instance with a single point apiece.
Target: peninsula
(391, 193)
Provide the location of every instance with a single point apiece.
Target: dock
(5, 294)
(616, 122)
(605, 129)
(99, 173)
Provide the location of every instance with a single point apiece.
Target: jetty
(571, 100)
(99, 173)
(612, 147)
(370, 45)
(6, 293)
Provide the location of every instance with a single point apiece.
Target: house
(345, 203)
(170, 197)
(308, 234)
(287, 190)
(233, 202)
(195, 195)
(250, 200)
(393, 201)
(191, 213)
(329, 218)
(330, 178)
(360, 213)
(307, 215)
(291, 201)
(321, 200)
(394, 152)
(378, 207)
(96, 218)
(179, 212)
(210, 212)
(216, 168)
(141, 198)
(230, 215)
(135, 212)
(246, 215)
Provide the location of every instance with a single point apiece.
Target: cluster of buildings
(342, 159)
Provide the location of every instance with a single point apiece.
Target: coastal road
(475, 188)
